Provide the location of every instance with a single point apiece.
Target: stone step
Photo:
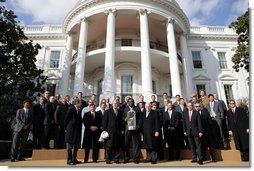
(52, 154)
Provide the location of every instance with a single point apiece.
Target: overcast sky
(199, 12)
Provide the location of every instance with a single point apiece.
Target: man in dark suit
(177, 102)
(38, 127)
(93, 122)
(72, 125)
(113, 124)
(132, 131)
(183, 140)
(207, 140)
(192, 128)
(49, 122)
(153, 101)
(150, 133)
(80, 97)
(24, 120)
(170, 124)
(217, 114)
(238, 125)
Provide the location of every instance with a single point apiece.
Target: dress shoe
(154, 162)
(194, 161)
(95, 161)
(214, 160)
(77, 162)
(136, 161)
(21, 159)
(147, 161)
(116, 162)
(126, 161)
(85, 161)
(200, 162)
(108, 162)
(13, 160)
(70, 163)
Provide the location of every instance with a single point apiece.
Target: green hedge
(5, 148)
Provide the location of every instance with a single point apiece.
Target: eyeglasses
(197, 106)
(231, 103)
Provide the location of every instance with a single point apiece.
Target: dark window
(54, 59)
(126, 86)
(199, 87)
(51, 88)
(126, 42)
(154, 86)
(196, 57)
(228, 88)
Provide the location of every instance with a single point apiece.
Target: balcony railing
(126, 42)
(212, 30)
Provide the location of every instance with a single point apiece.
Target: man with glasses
(192, 128)
(207, 140)
(238, 125)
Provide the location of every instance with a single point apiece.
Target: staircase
(53, 154)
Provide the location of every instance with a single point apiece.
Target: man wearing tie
(151, 133)
(170, 124)
(93, 122)
(72, 126)
(192, 128)
(24, 119)
(217, 115)
(238, 126)
(113, 124)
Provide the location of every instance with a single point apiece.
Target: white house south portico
(135, 47)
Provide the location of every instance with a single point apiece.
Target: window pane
(222, 60)
(54, 60)
(199, 87)
(196, 57)
(126, 83)
(126, 42)
(51, 88)
(228, 92)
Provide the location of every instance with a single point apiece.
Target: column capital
(84, 19)
(171, 20)
(110, 10)
(143, 11)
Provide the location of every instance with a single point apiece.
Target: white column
(187, 66)
(66, 65)
(173, 61)
(109, 70)
(146, 70)
(81, 58)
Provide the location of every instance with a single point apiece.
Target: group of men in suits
(196, 124)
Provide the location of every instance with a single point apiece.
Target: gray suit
(217, 120)
(20, 134)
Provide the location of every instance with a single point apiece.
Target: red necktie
(92, 116)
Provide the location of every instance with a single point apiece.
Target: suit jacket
(179, 110)
(21, 120)
(138, 116)
(170, 122)
(238, 123)
(38, 114)
(193, 127)
(113, 125)
(50, 109)
(89, 136)
(218, 110)
(150, 126)
(72, 126)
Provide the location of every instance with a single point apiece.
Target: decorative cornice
(46, 36)
(212, 37)
(171, 6)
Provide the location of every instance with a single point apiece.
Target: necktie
(26, 113)
(93, 116)
(190, 114)
(115, 110)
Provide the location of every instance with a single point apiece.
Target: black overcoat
(150, 126)
(238, 123)
(73, 125)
